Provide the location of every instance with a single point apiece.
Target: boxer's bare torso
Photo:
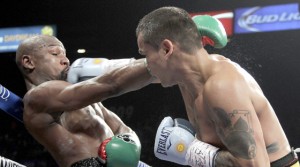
(253, 116)
(69, 136)
(67, 119)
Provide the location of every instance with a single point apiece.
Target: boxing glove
(120, 150)
(172, 140)
(11, 103)
(211, 30)
(86, 68)
(201, 154)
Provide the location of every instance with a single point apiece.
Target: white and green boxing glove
(211, 30)
(120, 150)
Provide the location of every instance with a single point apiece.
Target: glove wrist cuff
(102, 151)
(201, 154)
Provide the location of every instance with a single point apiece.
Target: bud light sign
(268, 18)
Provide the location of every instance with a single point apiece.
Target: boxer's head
(170, 23)
(164, 34)
(42, 58)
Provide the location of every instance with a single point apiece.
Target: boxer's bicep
(58, 96)
(240, 132)
(235, 120)
(236, 132)
(63, 96)
(47, 97)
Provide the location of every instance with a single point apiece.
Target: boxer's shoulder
(53, 84)
(48, 87)
(44, 94)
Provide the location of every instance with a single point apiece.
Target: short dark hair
(171, 23)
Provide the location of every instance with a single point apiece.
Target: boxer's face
(156, 62)
(52, 63)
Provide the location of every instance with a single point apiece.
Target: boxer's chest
(86, 121)
(206, 129)
(198, 115)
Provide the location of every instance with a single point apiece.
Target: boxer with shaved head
(68, 119)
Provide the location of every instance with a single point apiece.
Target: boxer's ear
(167, 48)
(27, 62)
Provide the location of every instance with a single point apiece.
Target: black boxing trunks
(89, 162)
(290, 160)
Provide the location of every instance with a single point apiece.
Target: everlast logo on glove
(163, 141)
(172, 140)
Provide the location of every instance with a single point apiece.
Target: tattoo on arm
(225, 158)
(236, 131)
(272, 148)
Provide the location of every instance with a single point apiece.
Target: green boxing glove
(211, 30)
(122, 150)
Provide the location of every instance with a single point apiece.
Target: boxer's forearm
(128, 78)
(69, 97)
(225, 158)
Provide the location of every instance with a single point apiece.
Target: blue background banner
(267, 18)
(11, 37)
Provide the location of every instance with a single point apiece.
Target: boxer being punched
(69, 119)
(233, 120)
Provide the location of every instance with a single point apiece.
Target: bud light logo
(268, 18)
